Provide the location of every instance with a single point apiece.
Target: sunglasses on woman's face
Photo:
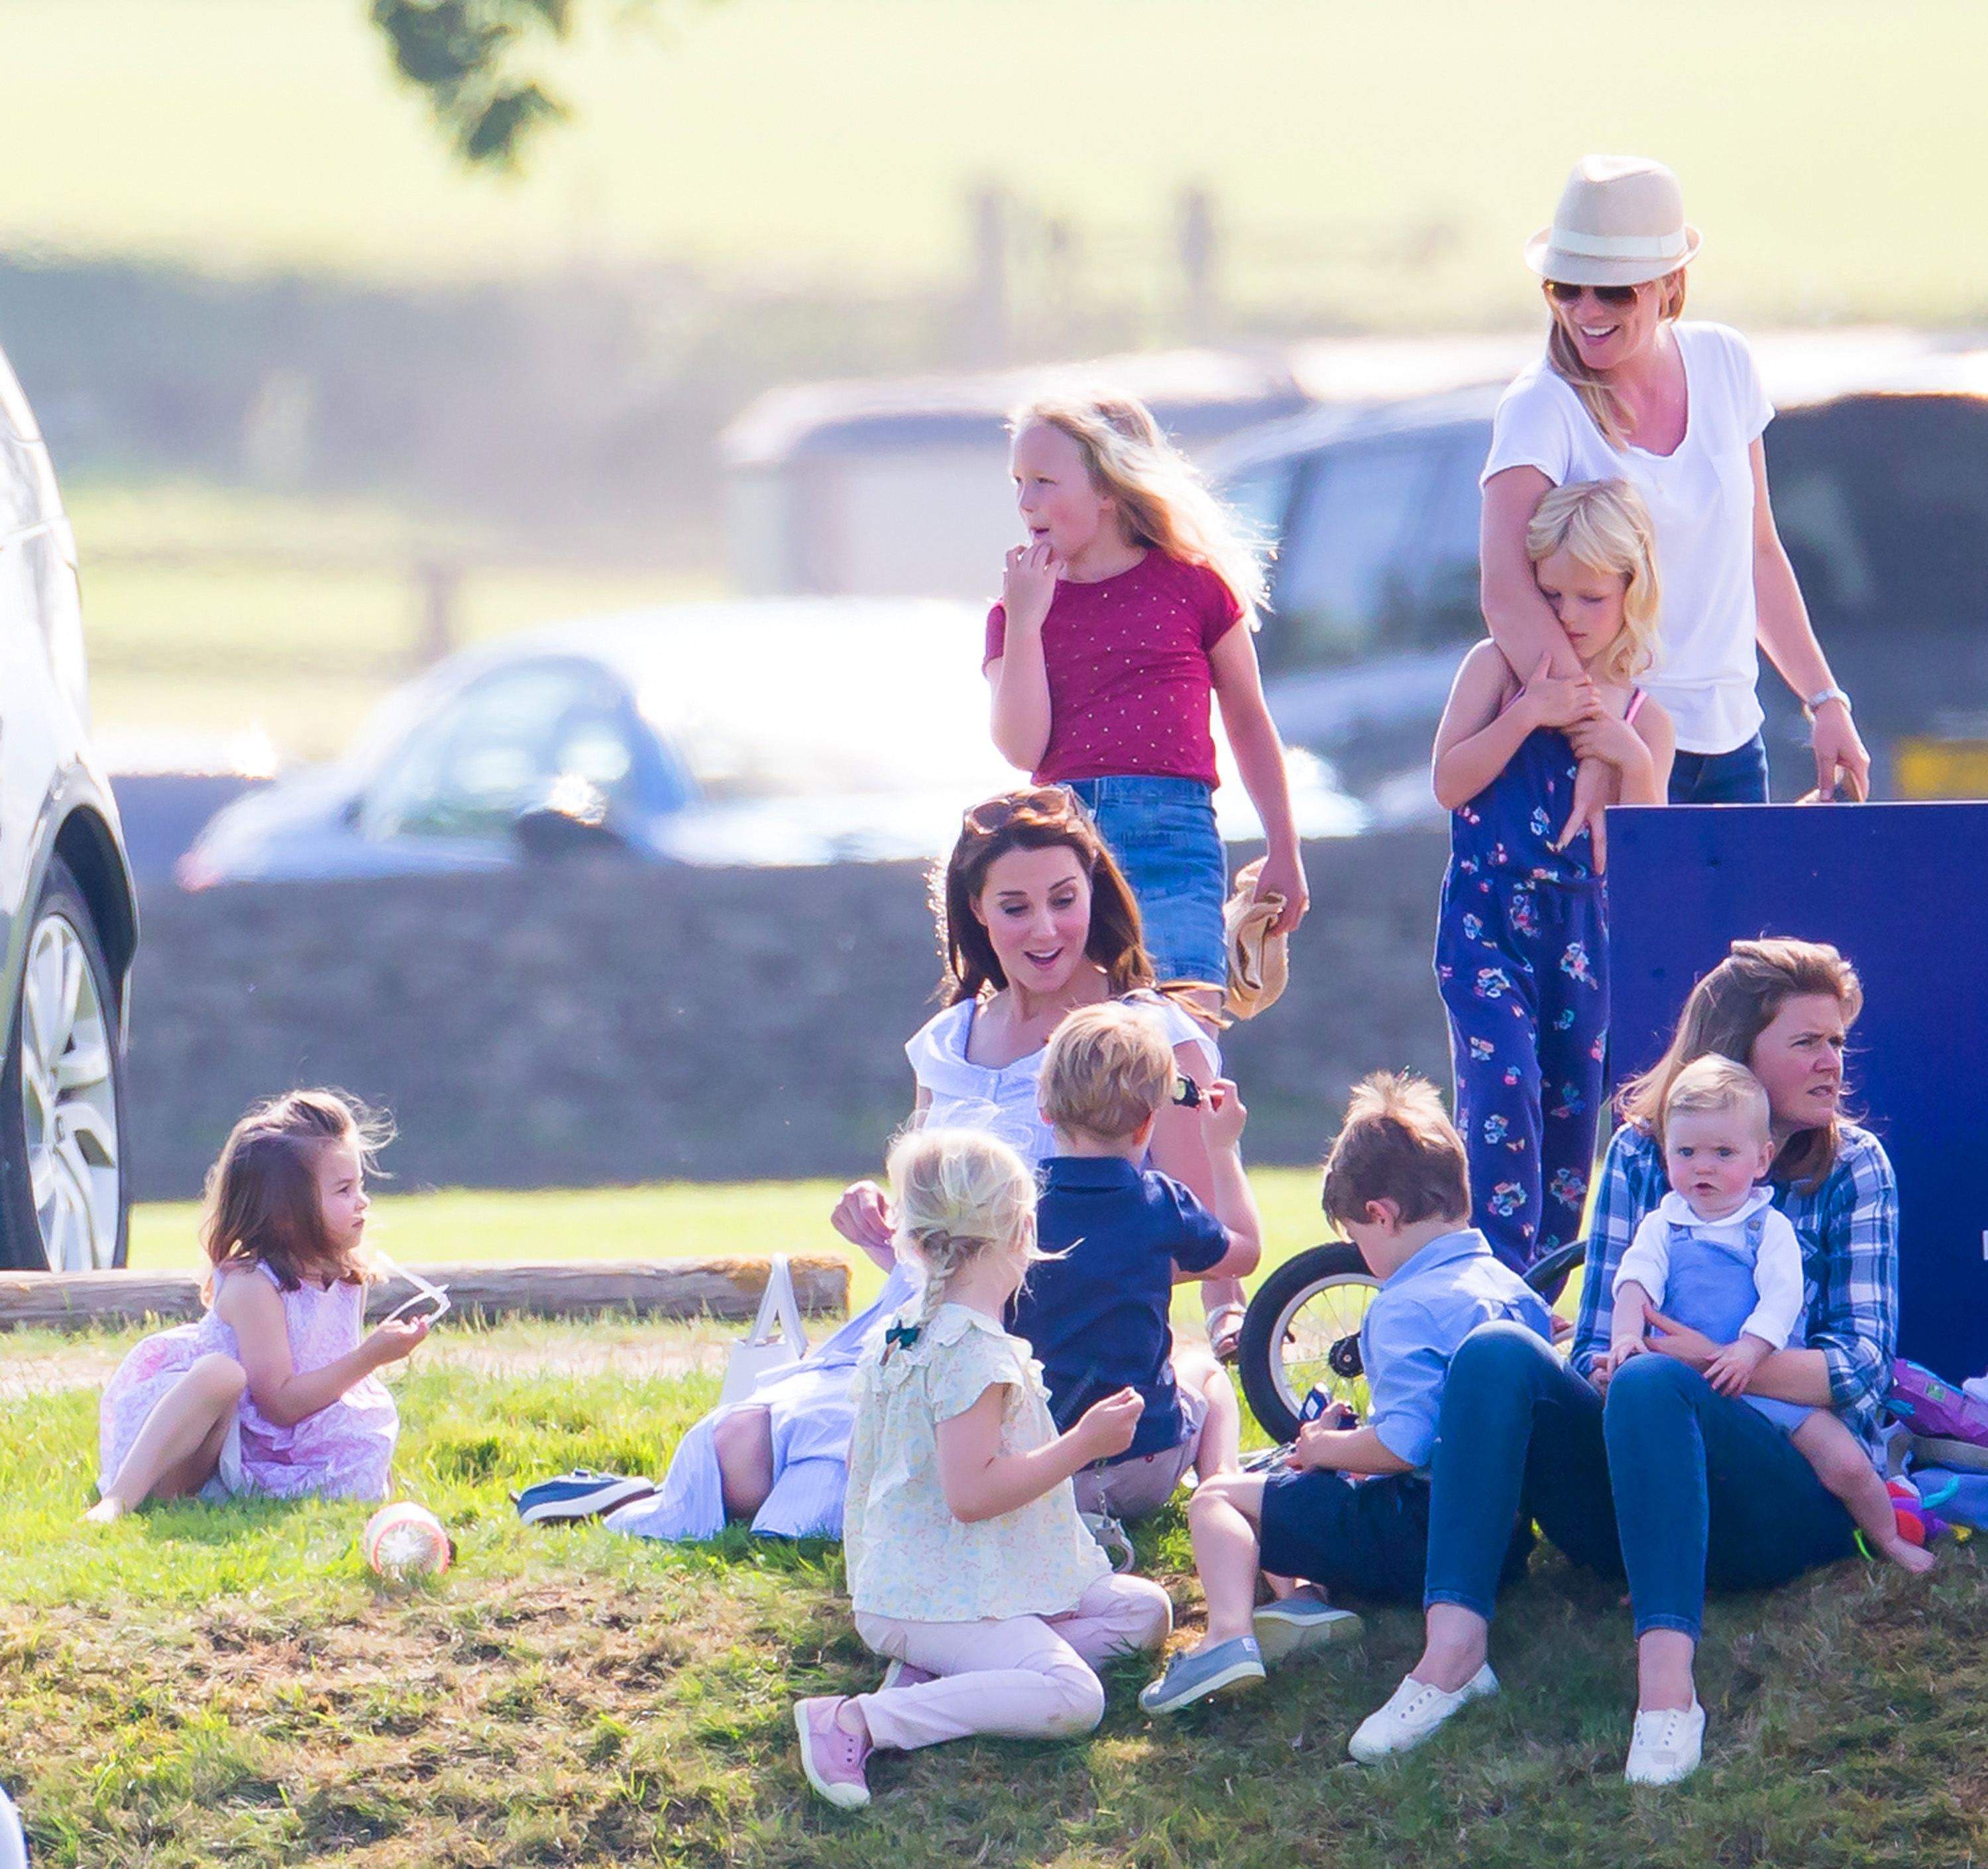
(1564, 294)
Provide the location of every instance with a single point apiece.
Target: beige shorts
(1136, 1488)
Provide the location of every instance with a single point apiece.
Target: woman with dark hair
(1035, 920)
(1652, 1472)
(1629, 389)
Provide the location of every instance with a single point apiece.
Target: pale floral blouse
(908, 1557)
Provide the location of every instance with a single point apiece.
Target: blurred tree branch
(474, 60)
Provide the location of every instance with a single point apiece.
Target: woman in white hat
(1627, 390)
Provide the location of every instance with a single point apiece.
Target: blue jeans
(1738, 777)
(1162, 833)
(1670, 1482)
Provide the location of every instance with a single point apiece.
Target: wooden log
(724, 1287)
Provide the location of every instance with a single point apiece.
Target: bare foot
(106, 1511)
(1915, 1558)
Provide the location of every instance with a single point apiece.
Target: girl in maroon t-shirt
(1117, 626)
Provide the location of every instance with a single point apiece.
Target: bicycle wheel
(1302, 1332)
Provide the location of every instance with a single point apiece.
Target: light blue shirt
(1424, 1310)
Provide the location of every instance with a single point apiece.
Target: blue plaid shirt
(1848, 1228)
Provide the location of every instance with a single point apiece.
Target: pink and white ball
(405, 1538)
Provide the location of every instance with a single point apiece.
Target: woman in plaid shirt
(1666, 1481)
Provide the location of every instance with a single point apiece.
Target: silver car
(66, 905)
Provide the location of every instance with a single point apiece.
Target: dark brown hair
(261, 1200)
(1034, 818)
(1727, 1011)
(1397, 1144)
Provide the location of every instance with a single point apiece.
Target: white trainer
(1666, 1745)
(1413, 1713)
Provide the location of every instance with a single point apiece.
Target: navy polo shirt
(1097, 1319)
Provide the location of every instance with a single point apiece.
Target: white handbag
(776, 1342)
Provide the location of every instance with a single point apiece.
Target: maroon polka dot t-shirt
(1130, 682)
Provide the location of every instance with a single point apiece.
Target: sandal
(1225, 1330)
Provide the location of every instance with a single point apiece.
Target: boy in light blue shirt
(1349, 1509)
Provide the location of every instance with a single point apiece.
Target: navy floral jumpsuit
(1522, 960)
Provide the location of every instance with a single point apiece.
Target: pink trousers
(1025, 1677)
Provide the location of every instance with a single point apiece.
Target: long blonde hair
(1727, 1011)
(959, 1194)
(1604, 525)
(1604, 406)
(1165, 502)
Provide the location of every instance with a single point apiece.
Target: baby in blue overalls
(1716, 1254)
(1521, 946)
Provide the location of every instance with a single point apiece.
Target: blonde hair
(1604, 525)
(1726, 1013)
(959, 1193)
(1162, 497)
(1397, 1144)
(1602, 402)
(1711, 1085)
(1109, 1069)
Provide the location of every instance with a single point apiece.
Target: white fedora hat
(1620, 222)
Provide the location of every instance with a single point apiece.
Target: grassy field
(204, 1686)
(241, 659)
(1828, 148)
(677, 1220)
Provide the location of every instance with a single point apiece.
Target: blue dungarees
(1522, 960)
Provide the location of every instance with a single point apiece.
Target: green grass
(672, 1220)
(792, 138)
(247, 657)
(229, 1685)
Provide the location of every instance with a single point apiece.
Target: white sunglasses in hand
(430, 1303)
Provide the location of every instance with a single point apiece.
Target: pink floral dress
(344, 1451)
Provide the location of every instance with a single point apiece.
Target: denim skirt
(1161, 832)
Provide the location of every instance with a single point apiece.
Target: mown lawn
(204, 1686)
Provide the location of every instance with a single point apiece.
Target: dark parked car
(1878, 463)
(65, 900)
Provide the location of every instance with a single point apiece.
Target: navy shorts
(1362, 1537)
(1162, 833)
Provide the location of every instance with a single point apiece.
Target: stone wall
(581, 1023)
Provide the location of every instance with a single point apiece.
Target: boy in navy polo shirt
(1349, 1508)
(1097, 1314)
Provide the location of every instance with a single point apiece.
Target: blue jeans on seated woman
(1670, 1482)
(1738, 777)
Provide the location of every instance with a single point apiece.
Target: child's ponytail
(1164, 501)
(959, 1193)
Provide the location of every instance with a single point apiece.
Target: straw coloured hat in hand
(1259, 961)
(1620, 222)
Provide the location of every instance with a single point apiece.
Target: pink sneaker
(832, 1756)
(904, 1674)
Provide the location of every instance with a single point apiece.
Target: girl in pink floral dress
(275, 1391)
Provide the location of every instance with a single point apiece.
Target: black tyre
(63, 1193)
(1302, 1331)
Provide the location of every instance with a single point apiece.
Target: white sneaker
(1414, 1712)
(1666, 1745)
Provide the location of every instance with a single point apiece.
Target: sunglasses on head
(1564, 294)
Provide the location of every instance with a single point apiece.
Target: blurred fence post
(440, 582)
(987, 309)
(1195, 234)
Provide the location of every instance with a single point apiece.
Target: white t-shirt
(1002, 1099)
(1778, 1277)
(1700, 502)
